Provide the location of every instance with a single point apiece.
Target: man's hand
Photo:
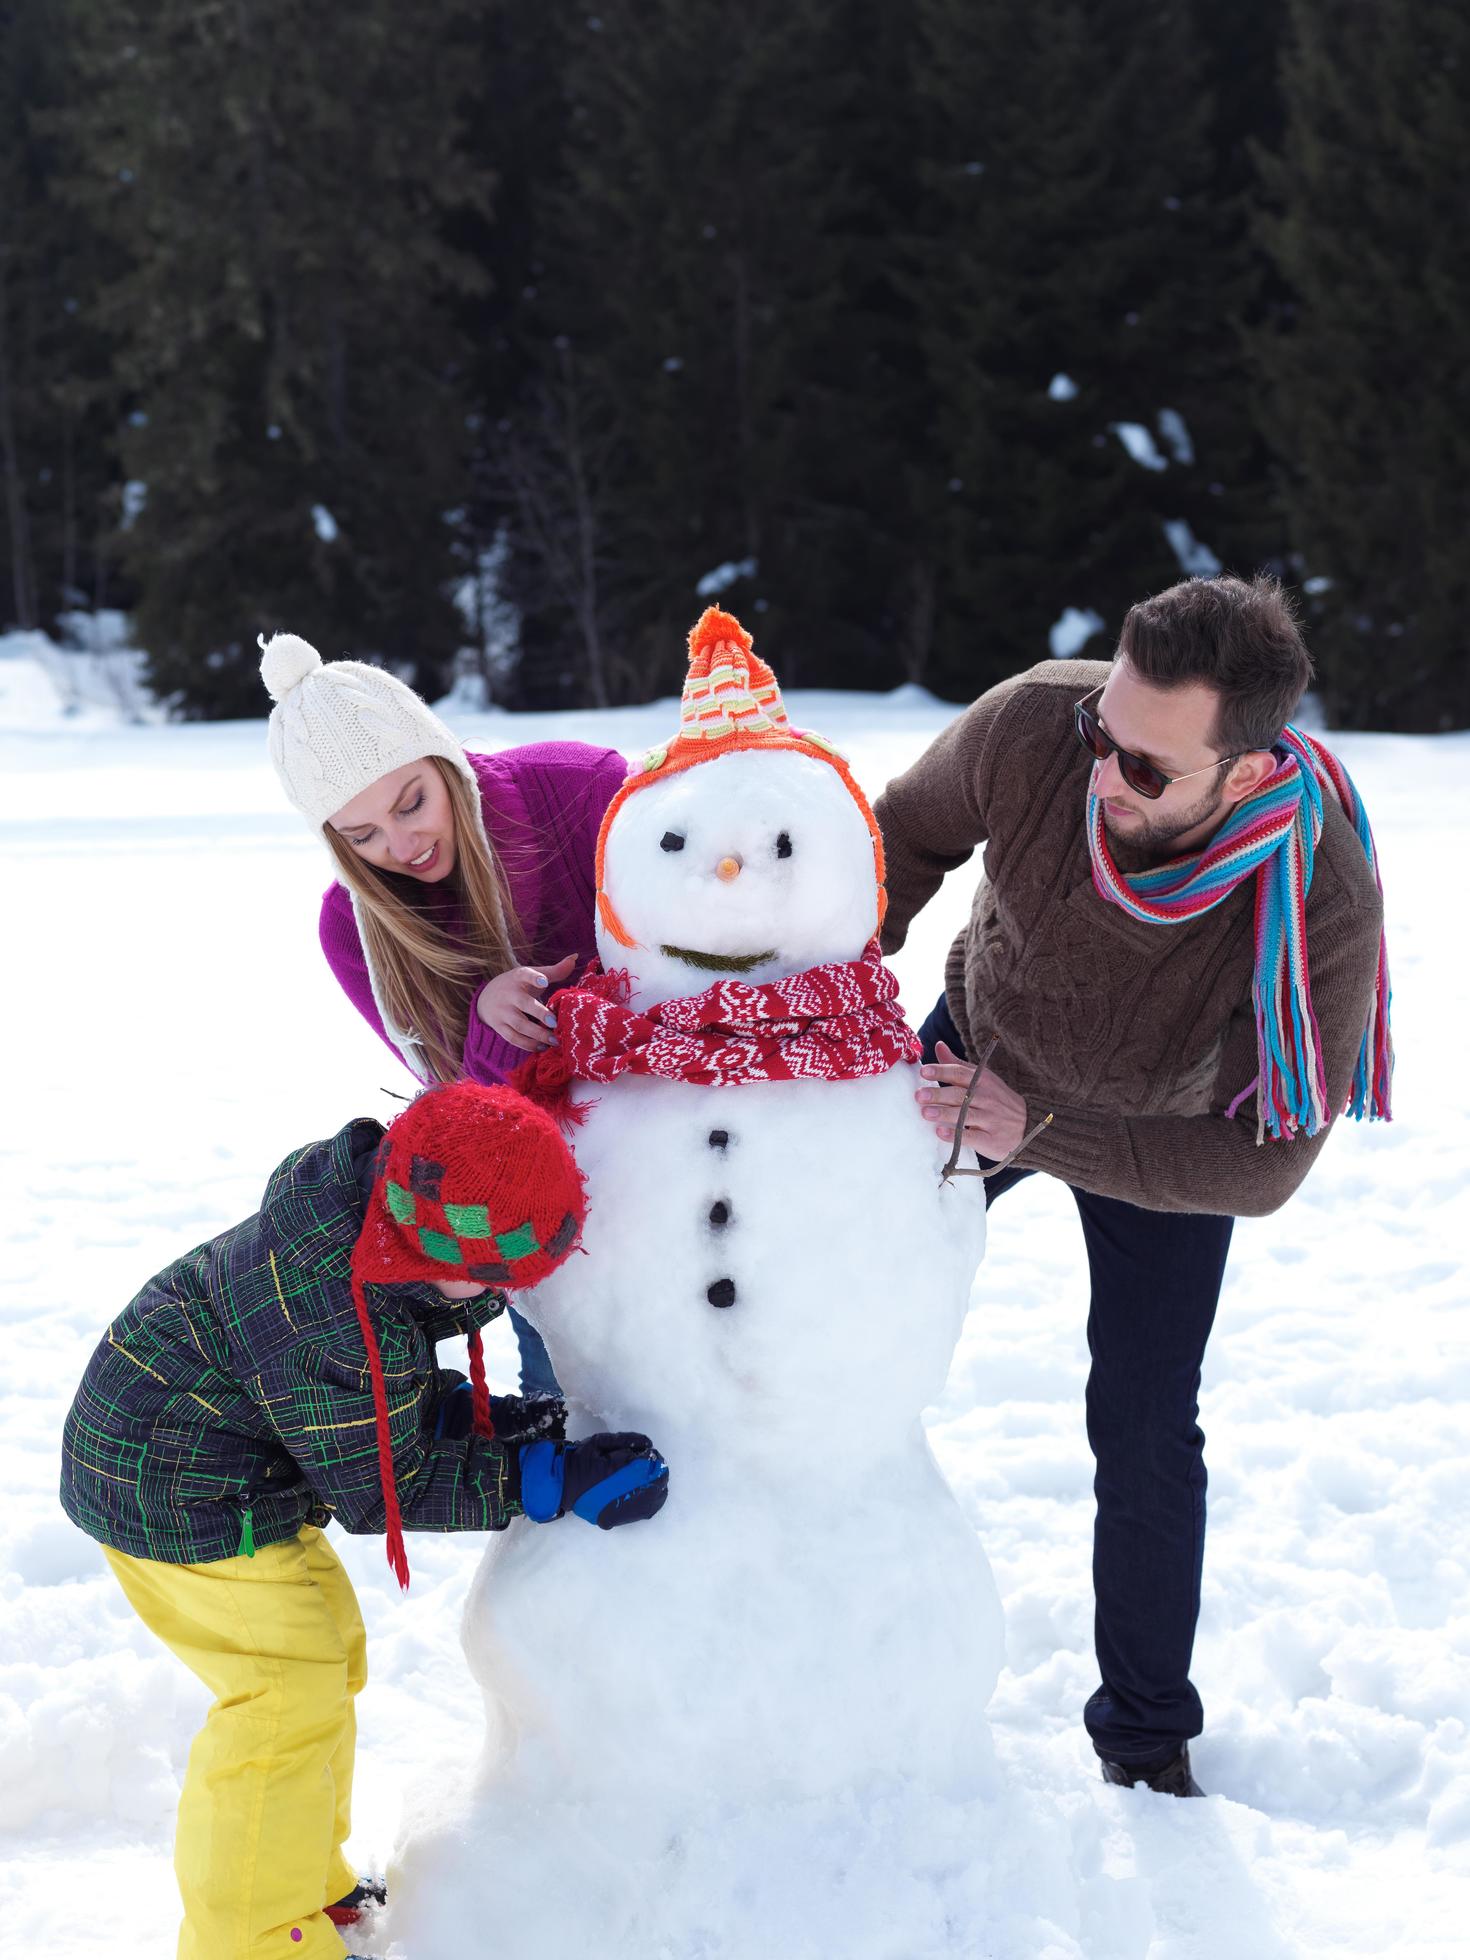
(511, 1003)
(995, 1122)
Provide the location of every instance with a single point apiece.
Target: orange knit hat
(731, 702)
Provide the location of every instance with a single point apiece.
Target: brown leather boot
(1173, 1778)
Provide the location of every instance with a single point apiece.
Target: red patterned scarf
(829, 1023)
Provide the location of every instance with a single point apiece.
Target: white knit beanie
(335, 729)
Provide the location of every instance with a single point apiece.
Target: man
(1149, 827)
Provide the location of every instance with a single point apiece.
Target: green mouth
(718, 962)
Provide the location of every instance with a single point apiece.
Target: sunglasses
(1142, 777)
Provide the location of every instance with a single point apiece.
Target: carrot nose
(727, 868)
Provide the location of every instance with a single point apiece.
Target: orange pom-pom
(715, 629)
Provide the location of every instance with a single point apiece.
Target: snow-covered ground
(174, 1031)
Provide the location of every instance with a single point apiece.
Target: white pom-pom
(285, 661)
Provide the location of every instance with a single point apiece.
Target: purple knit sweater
(543, 808)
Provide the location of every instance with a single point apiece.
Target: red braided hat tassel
(479, 1387)
(397, 1555)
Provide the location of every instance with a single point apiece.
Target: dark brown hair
(1237, 636)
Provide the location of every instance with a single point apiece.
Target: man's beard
(1151, 840)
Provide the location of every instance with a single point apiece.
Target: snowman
(730, 1730)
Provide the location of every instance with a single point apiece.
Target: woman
(465, 883)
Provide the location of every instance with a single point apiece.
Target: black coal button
(718, 1139)
(722, 1293)
(719, 1212)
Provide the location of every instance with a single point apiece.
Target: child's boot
(364, 1896)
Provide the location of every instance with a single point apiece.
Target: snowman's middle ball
(753, 866)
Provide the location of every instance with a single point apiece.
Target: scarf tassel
(546, 1078)
(1372, 1095)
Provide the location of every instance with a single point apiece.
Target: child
(284, 1374)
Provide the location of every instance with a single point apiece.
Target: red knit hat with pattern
(470, 1182)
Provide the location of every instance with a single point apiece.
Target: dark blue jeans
(1155, 1284)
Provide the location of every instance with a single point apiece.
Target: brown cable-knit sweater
(1137, 1036)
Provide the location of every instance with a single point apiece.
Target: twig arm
(949, 1170)
(952, 1165)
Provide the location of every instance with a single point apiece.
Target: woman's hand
(511, 1004)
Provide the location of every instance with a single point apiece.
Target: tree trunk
(586, 520)
(22, 571)
(918, 637)
(744, 407)
(69, 501)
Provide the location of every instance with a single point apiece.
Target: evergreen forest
(491, 339)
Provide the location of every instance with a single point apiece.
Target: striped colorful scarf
(1274, 834)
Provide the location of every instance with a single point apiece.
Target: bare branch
(952, 1166)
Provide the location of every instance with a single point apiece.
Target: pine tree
(872, 582)
(1240, 512)
(514, 132)
(1067, 301)
(282, 186)
(692, 277)
(58, 405)
(1370, 387)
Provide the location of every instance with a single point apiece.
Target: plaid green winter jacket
(234, 1390)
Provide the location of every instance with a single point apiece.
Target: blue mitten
(607, 1480)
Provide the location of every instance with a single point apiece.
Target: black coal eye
(671, 841)
(783, 846)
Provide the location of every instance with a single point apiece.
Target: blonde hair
(425, 979)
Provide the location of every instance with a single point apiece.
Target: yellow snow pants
(266, 1806)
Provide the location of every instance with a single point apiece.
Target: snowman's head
(753, 866)
(743, 849)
